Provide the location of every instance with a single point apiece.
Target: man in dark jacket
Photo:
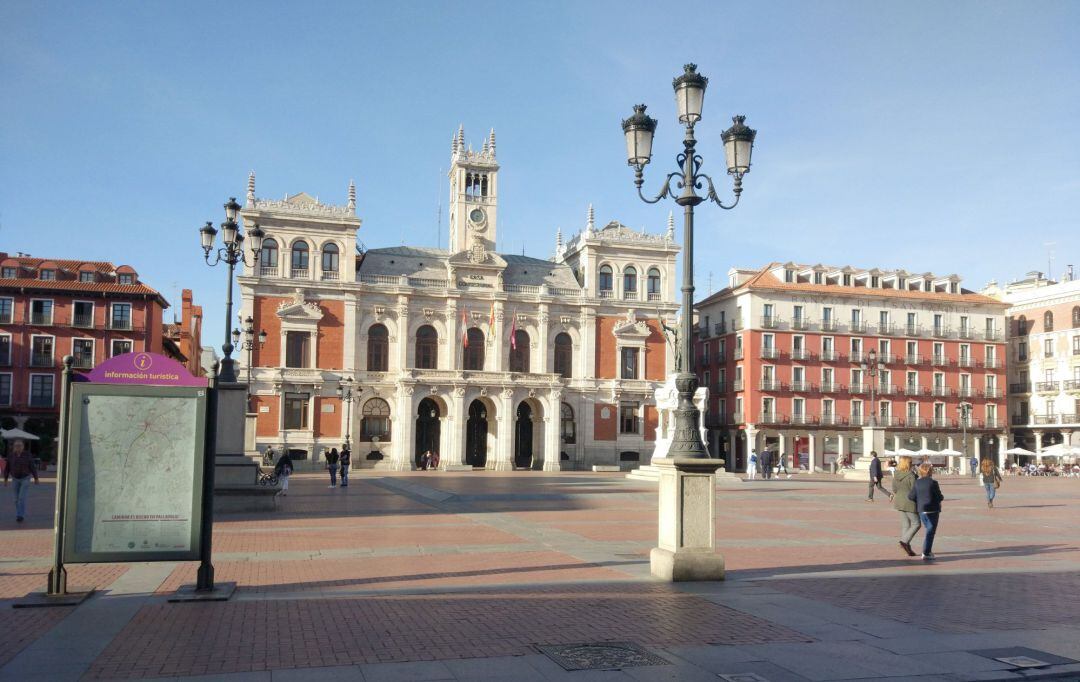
(346, 462)
(875, 477)
(21, 467)
(766, 463)
(926, 494)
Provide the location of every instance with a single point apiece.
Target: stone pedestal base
(686, 549)
(651, 473)
(686, 566)
(499, 466)
(458, 467)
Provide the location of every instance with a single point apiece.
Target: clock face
(476, 216)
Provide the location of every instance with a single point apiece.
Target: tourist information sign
(136, 446)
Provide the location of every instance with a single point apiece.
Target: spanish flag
(464, 331)
(491, 319)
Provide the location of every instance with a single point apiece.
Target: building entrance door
(427, 429)
(476, 435)
(523, 437)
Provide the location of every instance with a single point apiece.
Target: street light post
(248, 345)
(738, 145)
(345, 393)
(231, 253)
(965, 415)
(872, 367)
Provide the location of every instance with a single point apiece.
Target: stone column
(841, 455)
(978, 450)
(811, 461)
(751, 445)
(456, 426)
(1038, 446)
(539, 361)
(401, 454)
(504, 447)
(781, 448)
(1003, 445)
(495, 353)
(454, 359)
(552, 441)
(402, 335)
(587, 356)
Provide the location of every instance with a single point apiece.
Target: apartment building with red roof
(802, 358)
(49, 308)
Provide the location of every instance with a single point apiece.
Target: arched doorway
(523, 437)
(427, 428)
(476, 435)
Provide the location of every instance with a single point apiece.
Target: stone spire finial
(461, 137)
(352, 197)
(590, 223)
(251, 190)
(484, 148)
(670, 225)
(453, 145)
(491, 142)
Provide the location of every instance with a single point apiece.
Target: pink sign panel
(147, 369)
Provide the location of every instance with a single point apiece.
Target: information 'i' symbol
(143, 361)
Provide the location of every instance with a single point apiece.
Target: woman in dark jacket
(284, 469)
(926, 494)
(902, 483)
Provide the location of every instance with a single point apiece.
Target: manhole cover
(1023, 657)
(600, 655)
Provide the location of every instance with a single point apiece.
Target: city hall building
(490, 360)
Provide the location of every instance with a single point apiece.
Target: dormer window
(928, 286)
(847, 280)
(901, 283)
(125, 278)
(789, 276)
(817, 278)
(47, 275)
(875, 282)
(86, 276)
(9, 273)
(954, 288)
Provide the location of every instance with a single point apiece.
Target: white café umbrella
(1061, 450)
(905, 451)
(926, 452)
(17, 434)
(1019, 451)
(949, 452)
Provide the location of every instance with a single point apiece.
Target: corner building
(782, 350)
(492, 360)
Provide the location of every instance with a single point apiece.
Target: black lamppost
(345, 392)
(965, 417)
(248, 344)
(231, 253)
(738, 145)
(872, 367)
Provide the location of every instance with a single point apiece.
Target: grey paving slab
(960, 662)
(838, 660)
(660, 673)
(713, 658)
(259, 676)
(422, 671)
(764, 669)
(337, 673)
(497, 668)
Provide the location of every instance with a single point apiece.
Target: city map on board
(136, 472)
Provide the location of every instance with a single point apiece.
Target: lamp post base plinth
(686, 547)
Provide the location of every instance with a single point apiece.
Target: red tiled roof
(77, 286)
(764, 280)
(63, 264)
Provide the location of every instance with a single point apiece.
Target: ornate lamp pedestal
(687, 540)
(873, 439)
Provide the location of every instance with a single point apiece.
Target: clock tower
(474, 197)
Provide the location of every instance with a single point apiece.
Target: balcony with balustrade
(965, 361)
(992, 393)
(992, 363)
(991, 335)
(965, 392)
(939, 360)
(858, 420)
(1020, 388)
(41, 319)
(941, 332)
(914, 359)
(890, 422)
(913, 330)
(770, 352)
(965, 333)
(887, 389)
(770, 322)
(829, 326)
(916, 422)
(801, 354)
(1019, 420)
(802, 387)
(911, 389)
(832, 420)
(856, 356)
(859, 327)
(1070, 418)
(737, 354)
(772, 418)
(771, 385)
(801, 323)
(42, 359)
(299, 273)
(887, 358)
(268, 271)
(887, 329)
(830, 387)
(858, 388)
(803, 419)
(943, 423)
(1071, 385)
(1046, 387)
(737, 385)
(831, 356)
(329, 276)
(942, 392)
(1045, 419)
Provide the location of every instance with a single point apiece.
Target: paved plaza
(464, 576)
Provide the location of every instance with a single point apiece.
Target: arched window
(375, 419)
(1021, 326)
(606, 281)
(629, 282)
(427, 348)
(269, 254)
(653, 284)
(1048, 321)
(474, 349)
(1076, 316)
(378, 349)
(330, 258)
(564, 355)
(300, 255)
(519, 352)
(567, 427)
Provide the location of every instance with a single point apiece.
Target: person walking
(332, 466)
(926, 494)
(902, 483)
(21, 467)
(433, 461)
(268, 456)
(875, 477)
(781, 464)
(751, 466)
(990, 478)
(973, 464)
(766, 464)
(284, 469)
(346, 461)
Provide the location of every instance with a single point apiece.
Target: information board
(135, 467)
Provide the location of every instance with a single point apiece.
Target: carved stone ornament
(434, 390)
(429, 313)
(483, 392)
(408, 391)
(476, 316)
(532, 392)
(459, 392)
(630, 326)
(297, 307)
(508, 393)
(556, 394)
(380, 312)
(522, 318)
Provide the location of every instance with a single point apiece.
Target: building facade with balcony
(800, 357)
(1044, 360)
(91, 310)
(492, 360)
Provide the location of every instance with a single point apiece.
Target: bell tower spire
(474, 198)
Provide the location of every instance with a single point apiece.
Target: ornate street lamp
(965, 417)
(345, 393)
(231, 253)
(248, 344)
(738, 145)
(872, 366)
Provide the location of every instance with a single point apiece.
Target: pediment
(302, 198)
(631, 328)
(297, 309)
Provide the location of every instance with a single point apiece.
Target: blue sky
(928, 136)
